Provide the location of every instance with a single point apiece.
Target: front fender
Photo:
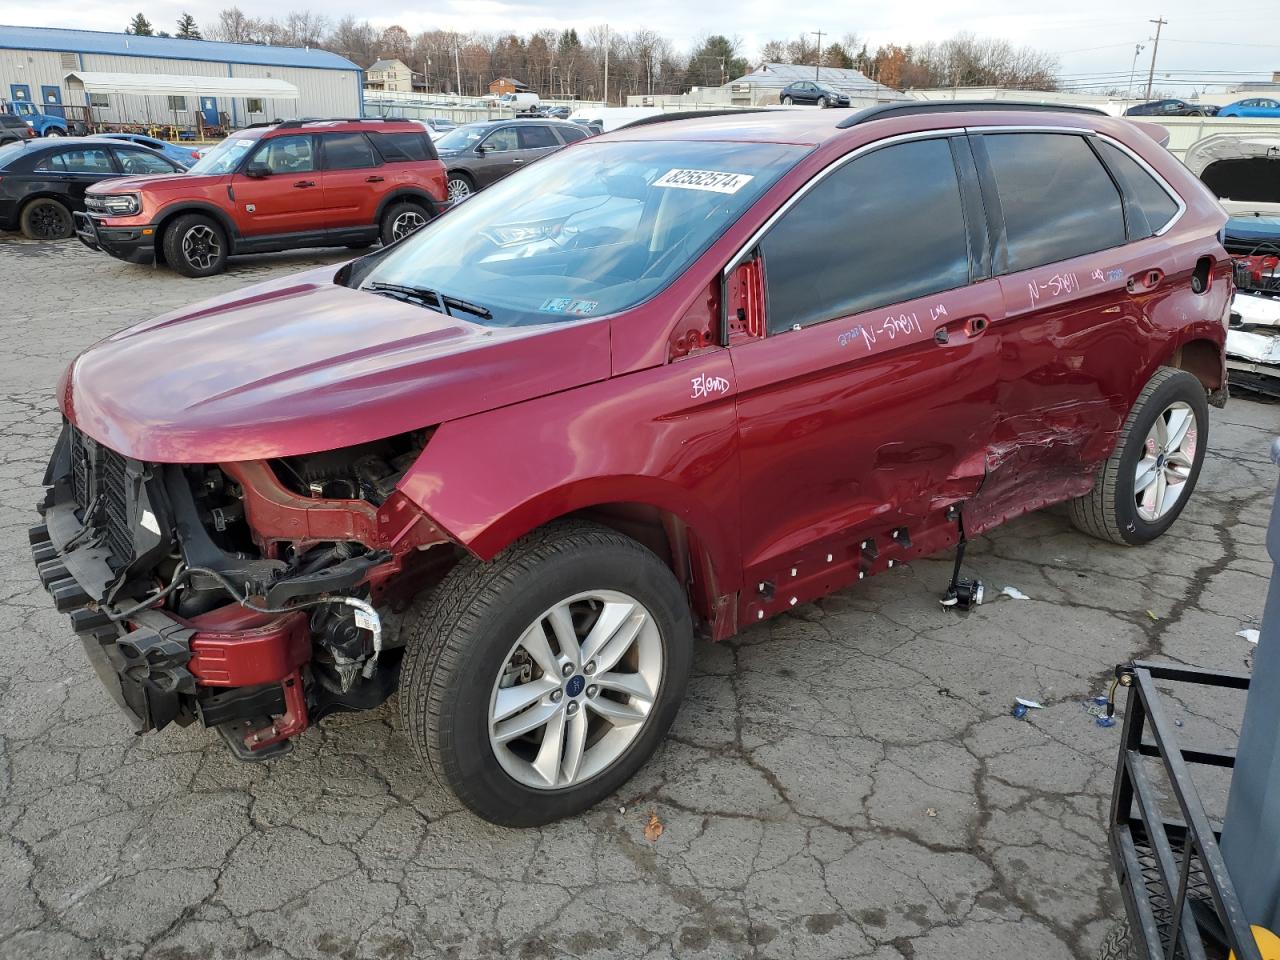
(489, 479)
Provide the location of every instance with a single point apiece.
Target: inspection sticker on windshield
(578, 308)
(717, 181)
(244, 143)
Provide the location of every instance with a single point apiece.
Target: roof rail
(688, 115)
(888, 110)
(292, 124)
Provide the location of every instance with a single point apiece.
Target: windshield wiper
(430, 298)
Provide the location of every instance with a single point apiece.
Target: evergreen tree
(140, 26)
(187, 28)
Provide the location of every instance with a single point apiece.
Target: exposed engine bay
(251, 595)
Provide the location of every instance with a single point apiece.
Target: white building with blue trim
(35, 63)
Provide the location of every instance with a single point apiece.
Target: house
(389, 75)
(507, 85)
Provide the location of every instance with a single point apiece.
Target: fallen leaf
(653, 829)
(1152, 615)
(931, 812)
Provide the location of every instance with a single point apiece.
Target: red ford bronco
(274, 186)
(665, 384)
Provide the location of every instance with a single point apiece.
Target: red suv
(664, 384)
(278, 186)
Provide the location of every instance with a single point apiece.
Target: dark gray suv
(478, 154)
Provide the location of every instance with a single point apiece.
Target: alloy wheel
(49, 222)
(1168, 456)
(201, 246)
(459, 189)
(575, 690)
(406, 223)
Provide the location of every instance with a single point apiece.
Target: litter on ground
(1014, 593)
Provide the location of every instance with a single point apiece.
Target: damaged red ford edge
(665, 384)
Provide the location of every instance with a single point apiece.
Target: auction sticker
(716, 181)
(578, 308)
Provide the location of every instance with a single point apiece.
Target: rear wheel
(537, 684)
(195, 246)
(400, 220)
(46, 219)
(1140, 490)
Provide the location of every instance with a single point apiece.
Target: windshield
(587, 232)
(225, 157)
(463, 137)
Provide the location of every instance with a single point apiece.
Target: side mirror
(257, 171)
(481, 149)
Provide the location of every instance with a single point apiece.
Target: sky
(1093, 39)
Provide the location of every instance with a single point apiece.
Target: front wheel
(822, 103)
(538, 683)
(54, 132)
(461, 186)
(1140, 490)
(195, 246)
(787, 101)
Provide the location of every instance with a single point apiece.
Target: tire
(1111, 510)
(787, 101)
(822, 103)
(46, 219)
(469, 635)
(400, 220)
(460, 186)
(54, 132)
(195, 245)
(1118, 944)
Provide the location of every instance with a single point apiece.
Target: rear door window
(348, 151)
(1058, 200)
(884, 228)
(535, 138)
(83, 160)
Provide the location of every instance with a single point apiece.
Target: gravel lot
(844, 781)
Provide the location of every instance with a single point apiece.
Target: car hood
(300, 365)
(183, 181)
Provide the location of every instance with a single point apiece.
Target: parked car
(559, 112)
(1253, 107)
(179, 153)
(812, 92)
(1170, 108)
(668, 384)
(437, 127)
(482, 153)
(278, 186)
(12, 128)
(44, 182)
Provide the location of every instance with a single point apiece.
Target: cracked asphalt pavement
(844, 781)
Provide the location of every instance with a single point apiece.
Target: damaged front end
(1253, 338)
(254, 596)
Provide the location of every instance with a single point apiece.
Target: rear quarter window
(403, 147)
(1143, 190)
(1057, 198)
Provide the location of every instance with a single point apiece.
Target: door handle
(517, 160)
(304, 183)
(373, 179)
(1145, 280)
(967, 328)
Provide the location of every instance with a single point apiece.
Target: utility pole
(457, 63)
(606, 64)
(1151, 74)
(1133, 68)
(818, 65)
